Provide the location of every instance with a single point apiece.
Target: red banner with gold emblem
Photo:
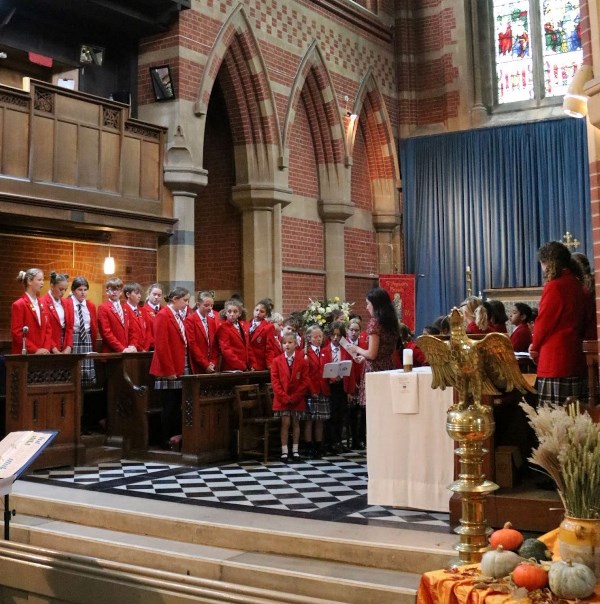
(402, 292)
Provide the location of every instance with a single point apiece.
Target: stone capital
(385, 222)
(252, 197)
(184, 180)
(335, 210)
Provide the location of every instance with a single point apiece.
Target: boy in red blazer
(113, 320)
(232, 340)
(201, 330)
(137, 333)
(289, 375)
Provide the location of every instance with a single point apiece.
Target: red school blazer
(55, 325)
(260, 348)
(203, 350)
(233, 349)
(315, 371)
(149, 315)
(137, 333)
(39, 334)
(169, 346)
(71, 302)
(114, 334)
(289, 386)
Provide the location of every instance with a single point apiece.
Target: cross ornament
(570, 241)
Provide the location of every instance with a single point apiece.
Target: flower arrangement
(319, 312)
(569, 451)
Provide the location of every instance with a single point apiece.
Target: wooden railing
(52, 136)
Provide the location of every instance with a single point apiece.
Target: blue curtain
(488, 199)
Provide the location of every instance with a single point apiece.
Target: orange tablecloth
(456, 586)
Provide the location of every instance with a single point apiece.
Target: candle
(407, 358)
(468, 269)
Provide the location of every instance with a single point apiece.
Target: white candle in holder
(407, 359)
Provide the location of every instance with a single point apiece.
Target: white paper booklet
(334, 370)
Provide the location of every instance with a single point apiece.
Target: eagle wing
(438, 356)
(499, 367)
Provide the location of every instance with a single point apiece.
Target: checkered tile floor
(333, 488)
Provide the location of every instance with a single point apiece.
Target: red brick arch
(313, 86)
(236, 58)
(375, 125)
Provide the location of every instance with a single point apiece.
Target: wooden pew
(43, 392)
(208, 414)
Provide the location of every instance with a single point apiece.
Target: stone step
(372, 547)
(281, 574)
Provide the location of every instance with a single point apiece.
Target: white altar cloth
(410, 457)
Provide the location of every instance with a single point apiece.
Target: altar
(410, 457)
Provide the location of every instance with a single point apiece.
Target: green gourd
(536, 549)
(499, 562)
(571, 580)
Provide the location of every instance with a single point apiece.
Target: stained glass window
(537, 48)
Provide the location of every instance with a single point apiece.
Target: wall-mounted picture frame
(162, 83)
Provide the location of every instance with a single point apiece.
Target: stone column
(261, 236)
(176, 257)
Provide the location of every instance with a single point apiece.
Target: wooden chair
(255, 422)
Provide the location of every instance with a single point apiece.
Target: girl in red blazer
(289, 375)
(232, 340)
(557, 345)
(318, 406)
(201, 330)
(113, 320)
(137, 322)
(356, 414)
(337, 389)
(170, 360)
(154, 296)
(31, 313)
(520, 316)
(61, 314)
(260, 334)
(85, 327)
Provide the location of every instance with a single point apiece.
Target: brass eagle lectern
(473, 368)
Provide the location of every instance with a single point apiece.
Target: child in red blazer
(520, 316)
(137, 334)
(289, 373)
(337, 389)
(201, 330)
(85, 327)
(232, 340)
(260, 334)
(31, 313)
(113, 320)
(61, 314)
(356, 414)
(318, 408)
(154, 296)
(170, 361)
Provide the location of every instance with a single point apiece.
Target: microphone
(25, 331)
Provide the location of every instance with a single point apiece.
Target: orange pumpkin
(530, 576)
(508, 537)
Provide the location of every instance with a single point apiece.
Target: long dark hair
(557, 257)
(383, 310)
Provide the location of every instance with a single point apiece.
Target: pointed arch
(376, 127)
(237, 50)
(313, 86)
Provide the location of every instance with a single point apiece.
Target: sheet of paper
(18, 449)
(405, 392)
(345, 344)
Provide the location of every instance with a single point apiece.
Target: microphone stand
(24, 347)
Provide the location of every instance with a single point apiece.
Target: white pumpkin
(499, 562)
(571, 580)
